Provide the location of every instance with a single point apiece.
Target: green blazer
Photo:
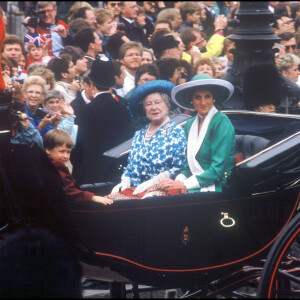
(216, 154)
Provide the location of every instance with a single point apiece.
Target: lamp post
(254, 40)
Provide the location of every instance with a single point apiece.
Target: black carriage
(204, 243)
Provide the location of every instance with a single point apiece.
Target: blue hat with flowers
(150, 87)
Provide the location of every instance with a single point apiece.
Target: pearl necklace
(149, 133)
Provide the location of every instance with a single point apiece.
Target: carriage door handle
(227, 221)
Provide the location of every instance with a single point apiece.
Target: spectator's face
(33, 96)
(49, 16)
(162, 26)
(174, 52)
(53, 105)
(70, 76)
(13, 51)
(292, 73)
(145, 78)
(194, 17)
(120, 79)
(88, 90)
(288, 24)
(6, 71)
(200, 41)
(81, 65)
(219, 68)
(176, 23)
(106, 26)
(149, 7)
(156, 108)
(113, 6)
(290, 45)
(175, 77)
(59, 153)
(98, 43)
(202, 12)
(36, 52)
(228, 54)
(205, 69)
(203, 101)
(22, 62)
(141, 19)
(90, 18)
(129, 10)
(132, 59)
(146, 58)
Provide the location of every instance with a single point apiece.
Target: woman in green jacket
(210, 135)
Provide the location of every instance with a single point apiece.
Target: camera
(17, 116)
(42, 113)
(34, 18)
(15, 79)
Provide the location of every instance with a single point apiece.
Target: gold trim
(185, 236)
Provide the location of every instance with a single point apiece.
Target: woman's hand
(47, 120)
(66, 108)
(102, 200)
(8, 82)
(167, 183)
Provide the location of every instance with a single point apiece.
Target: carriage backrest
(249, 145)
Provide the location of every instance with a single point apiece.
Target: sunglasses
(114, 4)
(290, 46)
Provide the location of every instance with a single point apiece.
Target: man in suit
(83, 97)
(133, 30)
(104, 124)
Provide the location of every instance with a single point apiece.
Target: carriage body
(170, 241)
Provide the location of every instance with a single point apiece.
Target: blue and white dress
(165, 151)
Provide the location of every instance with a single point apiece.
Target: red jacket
(72, 189)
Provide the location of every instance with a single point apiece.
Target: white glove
(150, 183)
(123, 185)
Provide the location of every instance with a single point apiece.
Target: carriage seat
(248, 145)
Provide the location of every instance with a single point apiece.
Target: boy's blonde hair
(57, 137)
(31, 45)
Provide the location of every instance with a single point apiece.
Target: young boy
(36, 46)
(58, 145)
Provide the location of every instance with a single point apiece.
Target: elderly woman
(211, 136)
(288, 64)
(158, 149)
(54, 102)
(34, 91)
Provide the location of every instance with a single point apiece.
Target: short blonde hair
(286, 61)
(35, 79)
(102, 15)
(76, 6)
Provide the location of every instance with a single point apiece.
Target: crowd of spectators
(49, 68)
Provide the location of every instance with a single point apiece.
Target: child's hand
(46, 47)
(102, 200)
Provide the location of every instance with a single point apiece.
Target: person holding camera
(23, 132)
(44, 22)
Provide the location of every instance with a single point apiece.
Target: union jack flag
(35, 38)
